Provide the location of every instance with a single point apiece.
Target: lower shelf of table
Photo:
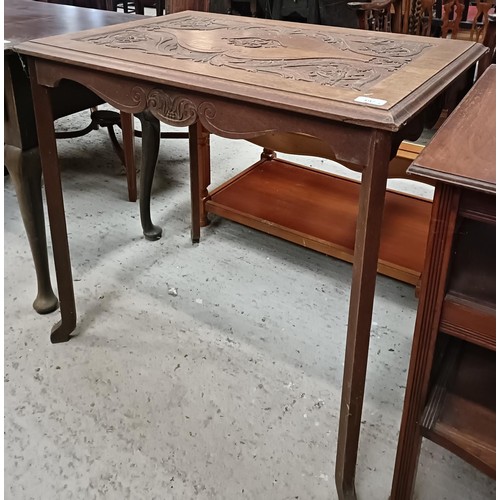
(318, 210)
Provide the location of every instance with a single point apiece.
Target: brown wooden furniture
(325, 12)
(241, 199)
(446, 18)
(170, 7)
(481, 20)
(489, 41)
(318, 210)
(228, 5)
(450, 393)
(24, 20)
(173, 6)
(242, 78)
(374, 16)
(304, 9)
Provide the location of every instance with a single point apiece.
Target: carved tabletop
(325, 71)
(361, 93)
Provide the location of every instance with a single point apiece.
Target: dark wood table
(450, 393)
(360, 93)
(25, 20)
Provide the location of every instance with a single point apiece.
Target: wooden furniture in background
(307, 10)
(374, 16)
(228, 4)
(173, 6)
(450, 393)
(183, 83)
(456, 19)
(325, 12)
(489, 41)
(451, 17)
(25, 20)
(480, 21)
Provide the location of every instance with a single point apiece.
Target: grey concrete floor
(228, 390)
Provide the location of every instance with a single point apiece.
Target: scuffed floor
(210, 371)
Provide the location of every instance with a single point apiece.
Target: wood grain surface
(463, 151)
(337, 73)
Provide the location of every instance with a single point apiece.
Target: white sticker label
(370, 100)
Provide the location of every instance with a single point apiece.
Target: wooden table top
(463, 150)
(373, 79)
(27, 19)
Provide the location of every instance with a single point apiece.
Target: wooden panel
(472, 267)
(466, 423)
(28, 20)
(470, 321)
(325, 71)
(319, 210)
(172, 6)
(476, 205)
(463, 150)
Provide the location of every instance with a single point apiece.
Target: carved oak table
(243, 78)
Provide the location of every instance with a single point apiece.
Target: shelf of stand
(318, 210)
(472, 268)
(469, 305)
(460, 414)
(469, 320)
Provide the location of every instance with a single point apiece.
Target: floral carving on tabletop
(154, 42)
(353, 61)
(401, 51)
(123, 39)
(254, 42)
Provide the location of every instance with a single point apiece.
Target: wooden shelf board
(318, 210)
(472, 271)
(469, 320)
(466, 419)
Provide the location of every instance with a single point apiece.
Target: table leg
(368, 227)
(398, 16)
(194, 167)
(55, 205)
(160, 7)
(202, 145)
(139, 7)
(150, 149)
(26, 173)
(127, 123)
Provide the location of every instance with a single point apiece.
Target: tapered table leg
(150, 149)
(55, 205)
(26, 172)
(127, 122)
(368, 226)
(199, 160)
(195, 175)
